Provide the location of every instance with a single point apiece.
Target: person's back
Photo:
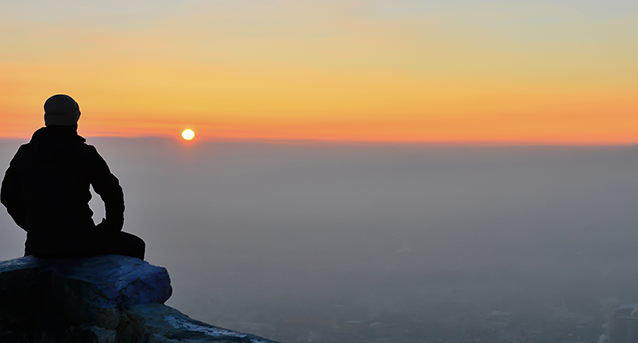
(47, 189)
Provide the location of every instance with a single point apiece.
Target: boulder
(93, 289)
(101, 299)
(19, 289)
(164, 324)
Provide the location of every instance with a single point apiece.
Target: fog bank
(240, 222)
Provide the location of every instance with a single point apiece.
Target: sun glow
(538, 72)
(188, 134)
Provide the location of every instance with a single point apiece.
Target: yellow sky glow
(354, 71)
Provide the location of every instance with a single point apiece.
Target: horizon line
(327, 141)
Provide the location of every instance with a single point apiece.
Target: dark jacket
(46, 192)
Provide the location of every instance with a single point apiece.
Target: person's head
(61, 110)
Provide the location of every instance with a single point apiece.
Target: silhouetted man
(46, 191)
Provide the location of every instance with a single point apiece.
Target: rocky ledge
(102, 299)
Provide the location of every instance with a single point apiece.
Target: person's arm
(108, 187)
(11, 195)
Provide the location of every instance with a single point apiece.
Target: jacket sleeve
(108, 187)
(11, 195)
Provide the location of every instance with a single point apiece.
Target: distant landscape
(329, 242)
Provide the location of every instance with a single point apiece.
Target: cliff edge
(101, 299)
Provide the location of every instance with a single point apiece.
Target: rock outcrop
(102, 299)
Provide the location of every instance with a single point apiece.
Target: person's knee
(135, 246)
(139, 247)
(139, 243)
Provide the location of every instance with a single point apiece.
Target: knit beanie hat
(61, 110)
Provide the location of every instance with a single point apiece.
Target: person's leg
(120, 243)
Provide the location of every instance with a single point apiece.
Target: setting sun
(507, 72)
(188, 134)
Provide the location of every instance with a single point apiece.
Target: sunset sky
(556, 72)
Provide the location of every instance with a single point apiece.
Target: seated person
(46, 190)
